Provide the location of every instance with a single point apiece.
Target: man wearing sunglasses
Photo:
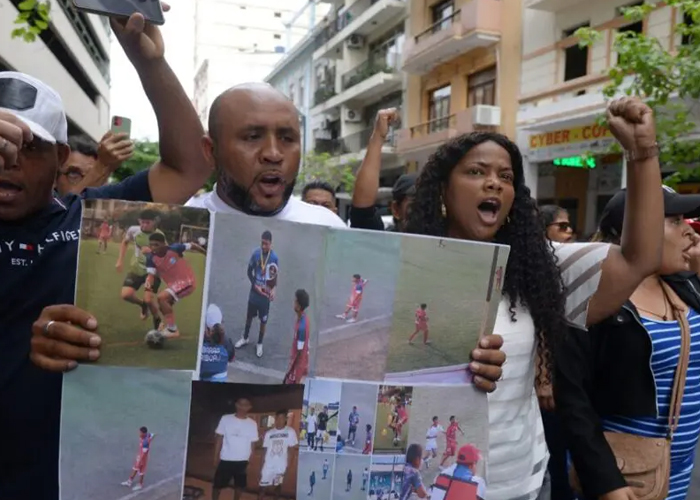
(39, 235)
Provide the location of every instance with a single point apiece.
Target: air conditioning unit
(325, 124)
(355, 41)
(352, 116)
(487, 116)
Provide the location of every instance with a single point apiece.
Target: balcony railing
(325, 35)
(435, 125)
(386, 64)
(323, 93)
(353, 143)
(439, 26)
(334, 147)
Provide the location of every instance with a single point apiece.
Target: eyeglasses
(562, 226)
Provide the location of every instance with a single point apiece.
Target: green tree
(666, 79)
(327, 168)
(146, 153)
(33, 18)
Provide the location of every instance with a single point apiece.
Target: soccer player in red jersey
(421, 324)
(368, 441)
(103, 236)
(145, 439)
(299, 362)
(358, 288)
(499, 278)
(168, 263)
(451, 440)
(400, 421)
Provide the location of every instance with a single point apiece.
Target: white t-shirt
(239, 434)
(277, 443)
(518, 452)
(311, 423)
(295, 210)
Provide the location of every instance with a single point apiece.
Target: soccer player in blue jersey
(217, 351)
(263, 269)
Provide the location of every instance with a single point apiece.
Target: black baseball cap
(404, 186)
(687, 205)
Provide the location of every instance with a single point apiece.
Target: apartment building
(72, 55)
(356, 72)
(238, 41)
(462, 58)
(561, 100)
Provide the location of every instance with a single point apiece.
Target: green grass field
(452, 278)
(120, 326)
(384, 442)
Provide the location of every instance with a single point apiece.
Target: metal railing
(360, 140)
(330, 146)
(441, 25)
(435, 125)
(323, 93)
(387, 63)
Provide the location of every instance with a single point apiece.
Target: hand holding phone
(151, 10)
(121, 125)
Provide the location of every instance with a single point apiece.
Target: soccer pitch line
(257, 370)
(351, 330)
(152, 487)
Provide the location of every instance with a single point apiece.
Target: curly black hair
(532, 276)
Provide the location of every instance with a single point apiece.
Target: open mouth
(8, 190)
(489, 210)
(271, 184)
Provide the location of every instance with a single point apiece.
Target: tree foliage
(327, 168)
(33, 18)
(146, 153)
(668, 80)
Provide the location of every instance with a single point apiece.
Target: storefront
(575, 168)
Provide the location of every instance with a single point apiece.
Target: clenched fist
(385, 118)
(631, 121)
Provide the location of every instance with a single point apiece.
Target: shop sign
(570, 142)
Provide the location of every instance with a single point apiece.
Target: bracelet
(637, 155)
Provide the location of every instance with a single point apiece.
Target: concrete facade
(72, 56)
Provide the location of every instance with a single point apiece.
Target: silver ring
(47, 327)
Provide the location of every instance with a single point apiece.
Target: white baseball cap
(36, 104)
(213, 316)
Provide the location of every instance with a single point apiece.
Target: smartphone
(121, 125)
(150, 9)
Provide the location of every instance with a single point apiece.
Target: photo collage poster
(258, 358)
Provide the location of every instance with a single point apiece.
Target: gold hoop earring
(508, 219)
(444, 211)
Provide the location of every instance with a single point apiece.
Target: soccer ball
(154, 339)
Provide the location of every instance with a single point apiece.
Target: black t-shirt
(366, 218)
(38, 260)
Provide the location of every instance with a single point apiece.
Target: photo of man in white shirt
(277, 443)
(235, 436)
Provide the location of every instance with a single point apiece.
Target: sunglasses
(562, 226)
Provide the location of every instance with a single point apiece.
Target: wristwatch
(642, 154)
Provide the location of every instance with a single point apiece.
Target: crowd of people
(599, 334)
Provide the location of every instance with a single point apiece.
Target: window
(302, 97)
(439, 108)
(575, 57)
(443, 11)
(278, 14)
(277, 36)
(686, 39)
(635, 27)
(481, 88)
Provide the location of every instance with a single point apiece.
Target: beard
(240, 196)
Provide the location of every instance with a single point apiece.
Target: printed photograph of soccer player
(358, 407)
(243, 442)
(447, 296)
(358, 295)
(320, 416)
(386, 475)
(315, 478)
(443, 420)
(394, 408)
(264, 277)
(351, 477)
(123, 433)
(143, 279)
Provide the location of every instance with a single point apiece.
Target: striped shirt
(666, 344)
(518, 455)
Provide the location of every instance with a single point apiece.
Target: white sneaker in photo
(259, 350)
(137, 488)
(340, 316)
(127, 483)
(352, 320)
(242, 342)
